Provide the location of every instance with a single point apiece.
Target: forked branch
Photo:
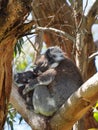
(73, 109)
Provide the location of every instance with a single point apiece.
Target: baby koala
(21, 79)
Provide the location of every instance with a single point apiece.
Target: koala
(58, 79)
(24, 77)
(21, 79)
(50, 59)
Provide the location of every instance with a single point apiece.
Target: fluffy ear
(47, 53)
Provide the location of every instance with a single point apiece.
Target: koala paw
(26, 90)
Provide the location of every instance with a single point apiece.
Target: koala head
(24, 77)
(54, 54)
(50, 59)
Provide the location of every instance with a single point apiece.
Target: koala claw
(25, 91)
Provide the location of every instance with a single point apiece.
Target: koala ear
(50, 51)
(48, 54)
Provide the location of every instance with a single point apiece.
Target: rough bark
(84, 40)
(56, 14)
(6, 54)
(12, 14)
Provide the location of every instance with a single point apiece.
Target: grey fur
(53, 87)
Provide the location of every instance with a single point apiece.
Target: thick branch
(13, 15)
(24, 29)
(77, 105)
(54, 30)
(60, 32)
(73, 109)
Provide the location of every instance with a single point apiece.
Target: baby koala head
(24, 77)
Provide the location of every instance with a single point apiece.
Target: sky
(24, 125)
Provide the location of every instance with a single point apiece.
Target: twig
(85, 7)
(56, 31)
(32, 44)
(93, 56)
(53, 30)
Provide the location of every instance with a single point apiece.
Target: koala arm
(44, 79)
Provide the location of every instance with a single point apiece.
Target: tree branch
(65, 34)
(73, 109)
(13, 15)
(91, 17)
(93, 56)
(54, 30)
(77, 105)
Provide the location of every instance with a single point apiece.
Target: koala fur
(52, 87)
(50, 59)
(21, 79)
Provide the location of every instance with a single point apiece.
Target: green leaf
(20, 120)
(95, 115)
(95, 112)
(18, 46)
(11, 125)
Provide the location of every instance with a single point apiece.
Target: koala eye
(54, 56)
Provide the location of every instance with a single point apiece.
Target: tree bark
(55, 13)
(58, 14)
(12, 14)
(6, 55)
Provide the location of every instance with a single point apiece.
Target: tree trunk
(12, 15)
(6, 55)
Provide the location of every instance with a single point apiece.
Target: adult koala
(58, 79)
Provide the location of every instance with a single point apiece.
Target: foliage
(21, 63)
(95, 112)
(18, 46)
(23, 56)
(11, 116)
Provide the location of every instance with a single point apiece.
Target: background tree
(57, 23)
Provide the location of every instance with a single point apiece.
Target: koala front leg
(42, 80)
(43, 102)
